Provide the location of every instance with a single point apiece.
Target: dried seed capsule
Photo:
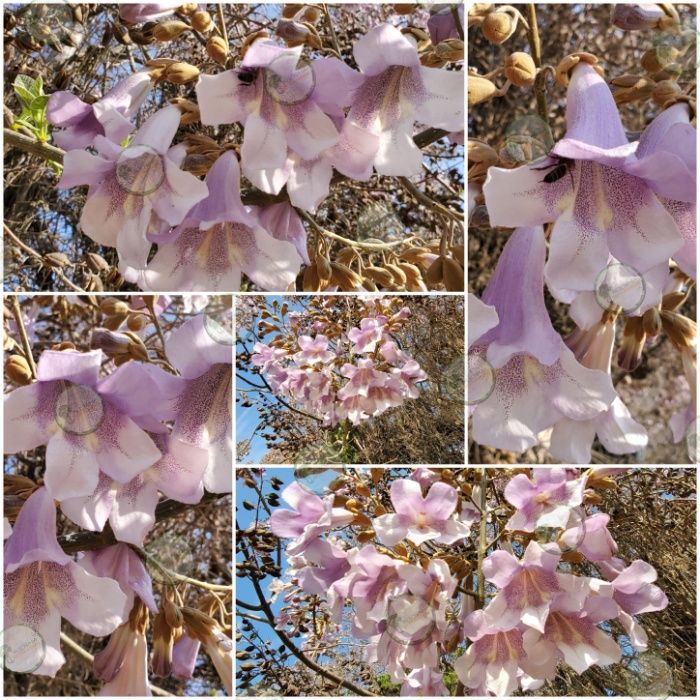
(479, 89)
(181, 73)
(201, 21)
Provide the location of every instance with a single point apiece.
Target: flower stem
(533, 36)
(483, 484)
(26, 347)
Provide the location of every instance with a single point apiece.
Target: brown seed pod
(169, 30)
(97, 263)
(311, 282)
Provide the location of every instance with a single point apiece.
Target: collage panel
(117, 495)
(346, 379)
(234, 147)
(582, 233)
(386, 581)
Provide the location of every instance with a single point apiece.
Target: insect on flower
(559, 169)
(248, 75)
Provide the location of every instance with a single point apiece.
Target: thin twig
(533, 36)
(222, 21)
(482, 533)
(30, 251)
(26, 347)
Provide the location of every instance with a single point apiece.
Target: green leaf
(39, 86)
(24, 89)
(39, 103)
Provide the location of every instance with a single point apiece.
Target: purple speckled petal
(684, 214)
(65, 109)
(443, 104)
(335, 84)
(33, 537)
(26, 604)
(126, 96)
(516, 292)
(265, 51)
(82, 168)
(614, 214)
(122, 449)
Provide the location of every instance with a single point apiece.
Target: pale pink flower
(420, 519)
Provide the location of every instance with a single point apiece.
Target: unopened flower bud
(169, 30)
(291, 9)
(57, 260)
(110, 306)
(311, 14)
(97, 263)
(665, 91)
(136, 321)
(188, 8)
(405, 8)
(629, 17)
(498, 26)
(181, 73)
(479, 89)
(450, 50)
(520, 69)
(658, 58)
(201, 21)
(17, 370)
(293, 33)
(217, 49)
(110, 342)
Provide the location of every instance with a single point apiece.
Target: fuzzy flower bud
(167, 31)
(499, 26)
(629, 17)
(520, 69)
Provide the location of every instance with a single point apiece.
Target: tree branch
(14, 139)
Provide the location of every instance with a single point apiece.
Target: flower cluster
(353, 376)
(608, 227)
(420, 612)
(302, 118)
(121, 428)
